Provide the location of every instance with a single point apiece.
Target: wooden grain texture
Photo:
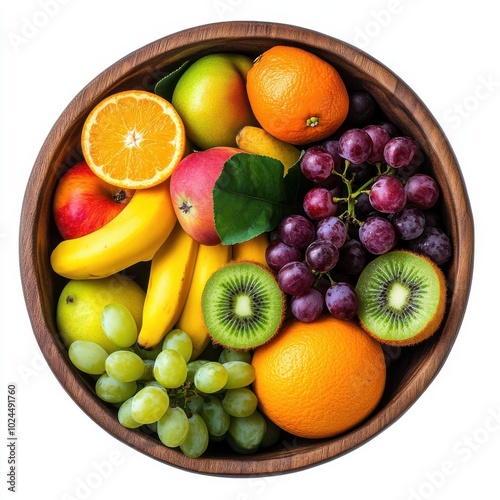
(410, 371)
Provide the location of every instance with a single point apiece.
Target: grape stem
(349, 215)
(181, 396)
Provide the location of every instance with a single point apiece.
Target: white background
(447, 445)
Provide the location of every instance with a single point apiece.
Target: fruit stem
(349, 215)
(120, 196)
(181, 396)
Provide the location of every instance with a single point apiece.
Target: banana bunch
(208, 260)
(133, 236)
(170, 280)
(256, 140)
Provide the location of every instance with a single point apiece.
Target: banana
(134, 235)
(169, 282)
(257, 141)
(210, 258)
(253, 250)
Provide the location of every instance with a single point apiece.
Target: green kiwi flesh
(243, 307)
(402, 297)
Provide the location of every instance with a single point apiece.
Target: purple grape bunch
(370, 194)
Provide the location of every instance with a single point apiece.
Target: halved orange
(133, 139)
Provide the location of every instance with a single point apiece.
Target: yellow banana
(257, 141)
(253, 250)
(210, 258)
(134, 235)
(169, 282)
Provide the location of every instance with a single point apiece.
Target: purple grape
(399, 151)
(321, 256)
(317, 164)
(362, 106)
(355, 145)
(332, 229)
(363, 207)
(409, 223)
(352, 257)
(377, 235)
(308, 306)
(390, 128)
(295, 278)
(322, 285)
(278, 254)
(332, 146)
(387, 195)
(296, 231)
(434, 243)
(422, 190)
(432, 218)
(380, 137)
(318, 203)
(334, 184)
(360, 172)
(342, 301)
(404, 173)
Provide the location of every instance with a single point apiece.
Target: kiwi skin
(434, 323)
(282, 312)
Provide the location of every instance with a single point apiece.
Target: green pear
(81, 302)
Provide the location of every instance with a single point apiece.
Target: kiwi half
(243, 307)
(402, 297)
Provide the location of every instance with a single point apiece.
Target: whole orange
(317, 380)
(295, 95)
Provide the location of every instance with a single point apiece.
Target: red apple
(191, 186)
(84, 203)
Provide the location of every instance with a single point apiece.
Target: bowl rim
(44, 328)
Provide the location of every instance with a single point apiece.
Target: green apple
(81, 302)
(212, 101)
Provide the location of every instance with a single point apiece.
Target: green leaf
(296, 186)
(165, 87)
(249, 197)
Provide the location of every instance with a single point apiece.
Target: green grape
(210, 377)
(148, 353)
(173, 427)
(111, 390)
(248, 432)
(87, 356)
(149, 404)
(192, 368)
(218, 439)
(234, 355)
(240, 402)
(180, 341)
(216, 418)
(196, 441)
(170, 369)
(238, 449)
(148, 375)
(272, 434)
(125, 366)
(195, 403)
(154, 383)
(239, 374)
(119, 324)
(125, 415)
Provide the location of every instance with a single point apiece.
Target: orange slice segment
(133, 139)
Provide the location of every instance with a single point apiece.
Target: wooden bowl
(410, 370)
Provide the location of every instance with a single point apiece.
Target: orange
(317, 380)
(133, 139)
(296, 96)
